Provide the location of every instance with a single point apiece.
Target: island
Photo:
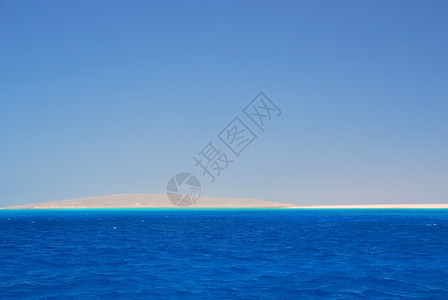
(161, 201)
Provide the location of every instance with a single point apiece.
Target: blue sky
(106, 97)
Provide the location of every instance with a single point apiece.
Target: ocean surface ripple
(224, 254)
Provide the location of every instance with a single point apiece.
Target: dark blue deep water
(224, 254)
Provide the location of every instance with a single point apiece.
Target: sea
(224, 254)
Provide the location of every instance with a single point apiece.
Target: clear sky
(107, 97)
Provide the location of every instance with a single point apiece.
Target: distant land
(161, 201)
(151, 201)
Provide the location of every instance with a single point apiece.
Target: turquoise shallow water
(223, 254)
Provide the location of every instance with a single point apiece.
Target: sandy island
(161, 201)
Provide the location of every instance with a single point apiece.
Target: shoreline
(298, 207)
(160, 201)
(375, 206)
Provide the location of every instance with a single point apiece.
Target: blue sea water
(224, 254)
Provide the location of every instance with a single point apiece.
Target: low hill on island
(151, 201)
(161, 201)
